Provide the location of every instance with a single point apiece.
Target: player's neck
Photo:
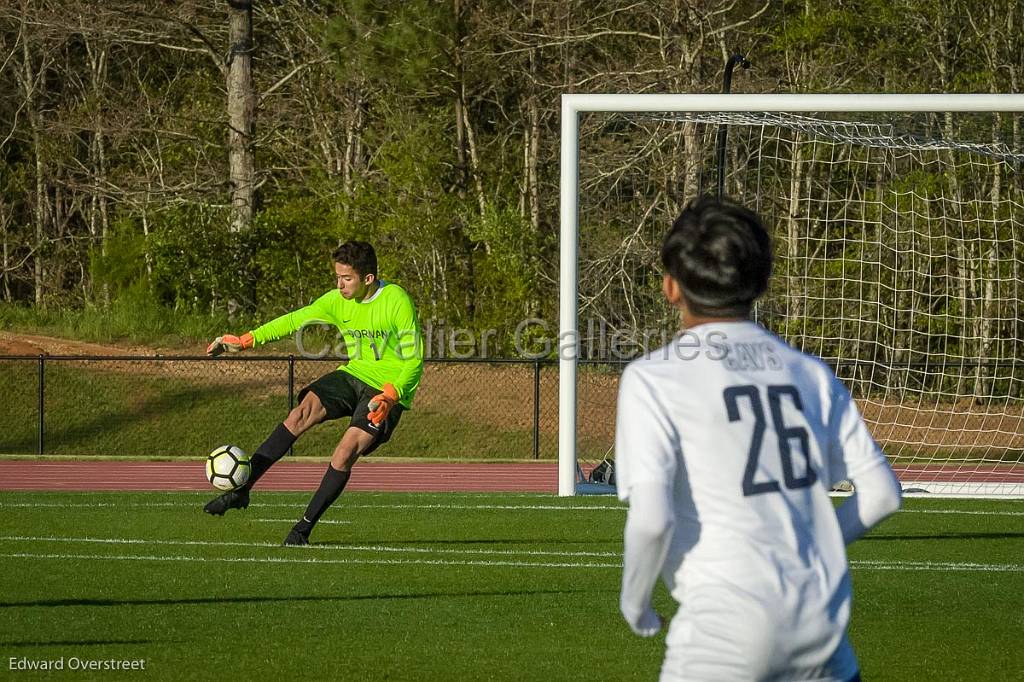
(370, 291)
(689, 321)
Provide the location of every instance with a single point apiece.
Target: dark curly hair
(721, 255)
(360, 256)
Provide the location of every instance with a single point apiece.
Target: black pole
(291, 391)
(291, 383)
(536, 409)
(723, 129)
(41, 398)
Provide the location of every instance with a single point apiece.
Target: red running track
(540, 477)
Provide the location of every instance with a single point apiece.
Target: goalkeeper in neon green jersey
(378, 322)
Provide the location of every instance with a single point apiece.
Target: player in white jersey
(727, 443)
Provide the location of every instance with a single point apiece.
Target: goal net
(899, 247)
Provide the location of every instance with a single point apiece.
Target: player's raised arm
(856, 456)
(277, 328)
(289, 323)
(645, 446)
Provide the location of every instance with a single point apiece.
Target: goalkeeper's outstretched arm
(230, 343)
(275, 329)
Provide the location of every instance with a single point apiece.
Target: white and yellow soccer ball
(227, 467)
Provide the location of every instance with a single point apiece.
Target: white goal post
(573, 105)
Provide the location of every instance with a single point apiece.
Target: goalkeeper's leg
(309, 412)
(353, 443)
(361, 438)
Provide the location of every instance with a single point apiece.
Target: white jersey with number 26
(750, 434)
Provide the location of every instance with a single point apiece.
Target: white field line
(327, 521)
(319, 548)
(311, 560)
(441, 507)
(935, 566)
(958, 511)
(502, 507)
(868, 564)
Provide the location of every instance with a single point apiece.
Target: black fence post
(536, 409)
(41, 405)
(291, 382)
(291, 391)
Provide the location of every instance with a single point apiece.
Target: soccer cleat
(296, 538)
(233, 499)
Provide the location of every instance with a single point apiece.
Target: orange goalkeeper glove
(231, 343)
(381, 404)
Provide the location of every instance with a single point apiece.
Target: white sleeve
(876, 495)
(646, 460)
(649, 525)
(646, 442)
(855, 456)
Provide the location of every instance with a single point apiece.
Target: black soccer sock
(272, 449)
(330, 488)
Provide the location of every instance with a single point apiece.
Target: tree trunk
(99, 217)
(353, 139)
(145, 230)
(39, 211)
(532, 165)
(461, 153)
(5, 221)
(532, 181)
(241, 115)
(474, 161)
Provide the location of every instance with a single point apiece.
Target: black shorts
(342, 395)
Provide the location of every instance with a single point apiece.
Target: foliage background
(428, 128)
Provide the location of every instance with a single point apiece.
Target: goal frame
(575, 104)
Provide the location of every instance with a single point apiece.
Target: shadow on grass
(198, 601)
(90, 642)
(947, 536)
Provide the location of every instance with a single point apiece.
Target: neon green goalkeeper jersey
(382, 336)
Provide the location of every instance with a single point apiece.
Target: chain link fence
(165, 407)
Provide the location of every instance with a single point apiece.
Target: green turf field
(452, 587)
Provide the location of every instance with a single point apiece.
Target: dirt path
(32, 344)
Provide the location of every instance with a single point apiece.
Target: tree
(241, 115)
